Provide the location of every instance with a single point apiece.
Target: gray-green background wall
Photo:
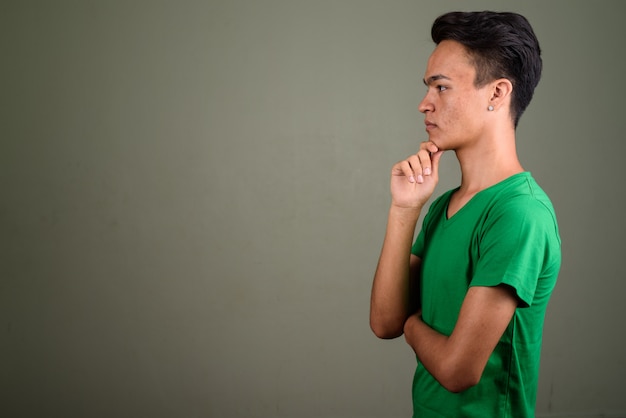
(194, 195)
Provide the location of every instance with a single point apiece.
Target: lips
(430, 125)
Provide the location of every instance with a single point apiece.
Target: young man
(470, 294)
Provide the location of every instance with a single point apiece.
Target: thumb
(435, 161)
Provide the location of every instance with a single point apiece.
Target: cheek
(454, 113)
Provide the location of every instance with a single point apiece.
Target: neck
(487, 162)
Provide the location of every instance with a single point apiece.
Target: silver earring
(490, 108)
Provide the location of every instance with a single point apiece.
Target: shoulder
(521, 197)
(520, 210)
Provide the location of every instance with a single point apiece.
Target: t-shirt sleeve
(513, 244)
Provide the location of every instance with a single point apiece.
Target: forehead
(451, 60)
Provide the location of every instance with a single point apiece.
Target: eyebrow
(434, 78)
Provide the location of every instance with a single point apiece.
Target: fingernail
(412, 179)
(420, 179)
(427, 171)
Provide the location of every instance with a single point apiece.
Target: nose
(426, 105)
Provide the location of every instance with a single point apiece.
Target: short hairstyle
(500, 45)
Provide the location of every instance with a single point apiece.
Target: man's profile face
(454, 108)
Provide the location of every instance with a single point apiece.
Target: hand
(413, 180)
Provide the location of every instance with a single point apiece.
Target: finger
(403, 168)
(434, 158)
(429, 146)
(425, 161)
(417, 167)
(427, 149)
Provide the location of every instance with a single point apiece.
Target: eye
(442, 88)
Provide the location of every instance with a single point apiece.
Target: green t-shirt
(506, 234)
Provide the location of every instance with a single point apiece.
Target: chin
(437, 141)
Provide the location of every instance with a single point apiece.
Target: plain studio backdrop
(194, 196)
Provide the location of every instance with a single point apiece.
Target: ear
(501, 91)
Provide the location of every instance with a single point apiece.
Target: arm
(412, 183)
(396, 275)
(458, 361)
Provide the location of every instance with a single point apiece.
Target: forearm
(434, 351)
(390, 302)
(458, 361)
(412, 183)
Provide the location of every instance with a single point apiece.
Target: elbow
(459, 379)
(459, 385)
(386, 330)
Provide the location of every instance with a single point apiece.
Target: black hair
(500, 45)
